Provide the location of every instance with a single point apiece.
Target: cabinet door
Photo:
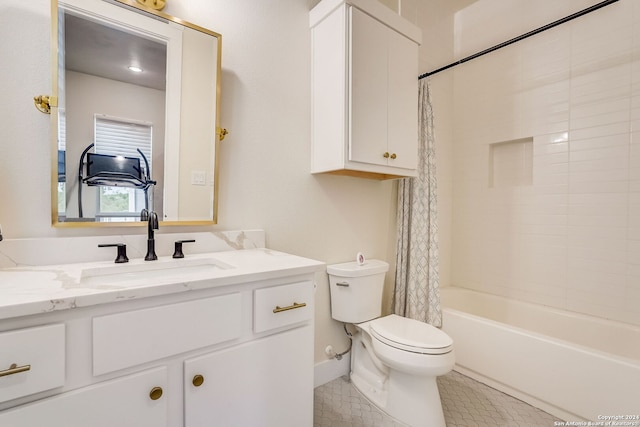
(41, 370)
(368, 83)
(403, 101)
(267, 382)
(124, 402)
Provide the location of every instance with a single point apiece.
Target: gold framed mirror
(136, 122)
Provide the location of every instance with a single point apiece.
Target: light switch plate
(198, 178)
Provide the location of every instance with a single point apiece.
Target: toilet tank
(356, 290)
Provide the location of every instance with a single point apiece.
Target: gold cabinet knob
(393, 155)
(386, 155)
(155, 393)
(197, 380)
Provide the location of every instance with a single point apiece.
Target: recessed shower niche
(511, 163)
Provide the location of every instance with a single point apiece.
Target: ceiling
(454, 4)
(96, 49)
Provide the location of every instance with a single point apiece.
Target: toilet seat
(410, 335)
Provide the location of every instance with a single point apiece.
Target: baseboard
(331, 369)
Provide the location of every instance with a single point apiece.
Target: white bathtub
(576, 367)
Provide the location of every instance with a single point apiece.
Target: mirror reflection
(137, 116)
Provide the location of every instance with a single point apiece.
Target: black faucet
(152, 224)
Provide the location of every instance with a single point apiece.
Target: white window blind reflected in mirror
(62, 148)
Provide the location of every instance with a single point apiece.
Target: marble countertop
(28, 290)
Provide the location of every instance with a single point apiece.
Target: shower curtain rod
(522, 37)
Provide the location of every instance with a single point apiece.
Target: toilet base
(416, 405)
(411, 399)
(414, 400)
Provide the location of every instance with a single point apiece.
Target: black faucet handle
(177, 253)
(122, 251)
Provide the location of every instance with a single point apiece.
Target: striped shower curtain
(417, 294)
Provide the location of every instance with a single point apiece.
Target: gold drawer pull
(155, 393)
(15, 369)
(198, 380)
(386, 155)
(393, 155)
(293, 306)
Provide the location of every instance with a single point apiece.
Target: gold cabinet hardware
(198, 380)
(15, 369)
(155, 393)
(293, 306)
(386, 155)
(393, 155)
(153, 4)
(222, 132)
(44, 103)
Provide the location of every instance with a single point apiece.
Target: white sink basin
(150, 272)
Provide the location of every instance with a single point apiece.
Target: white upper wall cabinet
(364, 90)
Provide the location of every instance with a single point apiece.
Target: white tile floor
(466, 403)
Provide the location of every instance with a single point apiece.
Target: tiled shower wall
(565, 231)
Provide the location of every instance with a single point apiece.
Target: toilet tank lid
(353, 269)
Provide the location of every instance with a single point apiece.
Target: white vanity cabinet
(237, 354)
(260, 383)
(364, 90)
(132, 401)
(264, 382)
(31, 360)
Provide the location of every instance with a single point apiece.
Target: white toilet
(394, 360)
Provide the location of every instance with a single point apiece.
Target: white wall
(436, 18)
(570, 238)
(264, 176)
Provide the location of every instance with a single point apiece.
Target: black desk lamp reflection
(114, 171)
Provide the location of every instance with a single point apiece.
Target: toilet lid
(410, 335)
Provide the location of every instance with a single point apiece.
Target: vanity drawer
(282, 306)
(127, 339)
(39, 359)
